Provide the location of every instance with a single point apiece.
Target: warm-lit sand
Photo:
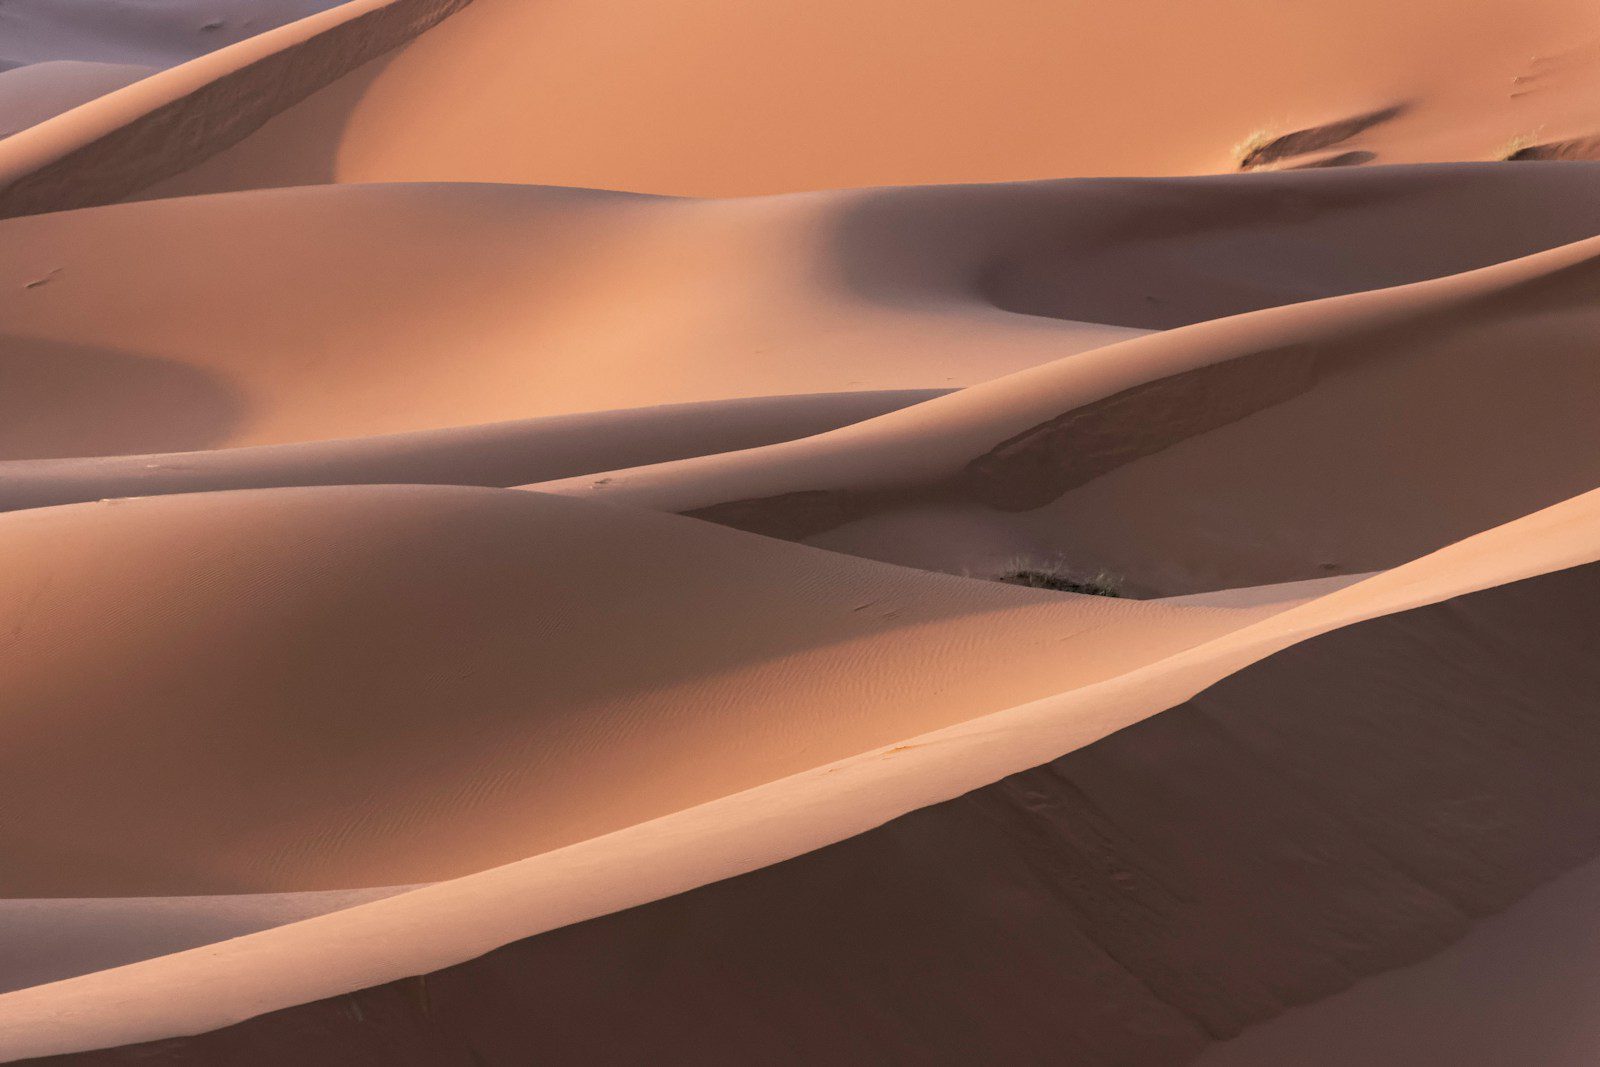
(480, 584)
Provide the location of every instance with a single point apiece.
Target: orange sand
(499, 503)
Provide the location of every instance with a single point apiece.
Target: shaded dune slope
(1123, 904)
(656, 789)
(498, 454)
(1334, 436)
(118, 144)
(423, 307)
(329, 688)
(430, 928)
(150, 34)
(51, 938)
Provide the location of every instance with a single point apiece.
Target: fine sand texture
(585, 532)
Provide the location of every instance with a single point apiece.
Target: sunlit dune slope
(339, 312)
(1345, 806)
(1335, 436)
(720, 97)
(1192, 780)
(326, 688)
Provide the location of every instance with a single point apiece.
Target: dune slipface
(593, 533)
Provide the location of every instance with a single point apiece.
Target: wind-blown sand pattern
(578, 532)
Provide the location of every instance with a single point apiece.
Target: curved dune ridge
(468, 595)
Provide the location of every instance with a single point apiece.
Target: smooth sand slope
(320, 742)
(55, 56)
(716, 97)
(458, 919)
(1122, 904)
(332, 688)
(417, 683)
(1517, 989)
(421, 307)
(51, 938)
(720, 98)
(497, 454)
(1328, 437)
(154, 33)
(339, 312)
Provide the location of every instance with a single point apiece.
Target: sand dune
(396, 288)
(1516, 988)
(276, 739)
(498, 454)
(35, 92)
(957, 93)
(1122, 904)
(656, 114)
(152, 33)
(433, 279)
(58, 937)
(54, 56)
(1273, 446)
(456, 920)
(483, 582)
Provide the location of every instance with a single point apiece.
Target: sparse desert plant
(1245, 152)
(1058, 576)
(1516, 146)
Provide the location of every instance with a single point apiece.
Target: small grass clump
(1063, 580)
(1518, 147)
(1246, 151)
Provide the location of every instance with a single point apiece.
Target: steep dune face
(434, 927)
(1143, 895)
(957, 93)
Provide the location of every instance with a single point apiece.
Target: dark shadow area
(68, 400)
(1349, 805)
(178, 135)
(1342, 159)
(1158, 253)
(1316, 138)
(498, 454)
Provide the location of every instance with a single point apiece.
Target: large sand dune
(55, 56)
(1272, 446)
(249, 725)
(482, 583)
(1118, 905)
(830, 93)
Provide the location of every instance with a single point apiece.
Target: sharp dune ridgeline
(583, 532)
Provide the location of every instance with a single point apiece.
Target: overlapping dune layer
(551, 531)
